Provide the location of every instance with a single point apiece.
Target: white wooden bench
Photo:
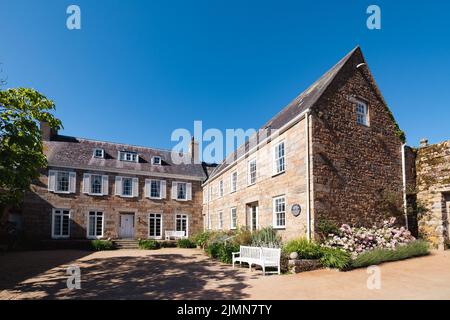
(174, 234)
(264, 257)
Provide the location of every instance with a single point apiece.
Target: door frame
(133, 214)
(161, 223)
(249, 219)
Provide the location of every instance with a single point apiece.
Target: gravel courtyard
(188, 274)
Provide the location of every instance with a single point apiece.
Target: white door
(155, 226)
(126, 226)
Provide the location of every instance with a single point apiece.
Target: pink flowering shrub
(359, 240)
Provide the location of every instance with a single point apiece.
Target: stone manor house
(338, 156)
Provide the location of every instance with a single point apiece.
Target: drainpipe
(405, 203)
(308, 213)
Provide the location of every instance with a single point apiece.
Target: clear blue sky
(137, 70)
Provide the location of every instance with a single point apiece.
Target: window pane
(96, 184)
(127, 186)
(62, 182)
(181, 191)
(155, 189)
(57, 225)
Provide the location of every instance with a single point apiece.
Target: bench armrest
(235, 253)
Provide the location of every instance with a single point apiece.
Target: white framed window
(127, 187)
(220, 224)
(128, 156)
(99, 153)
(62, 181)
(95, 225)
(279, 212)
(181, 191)
(155, 225)
(252, 172)
(60, 223)
(233, 218)
(362, 113)
(233, 182)
(95, 184)
(182, 223)
(279, 158)
(157, 161)
(221, 188)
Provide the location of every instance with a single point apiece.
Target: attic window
(156, 161)
(99, 153)
(362, 113)
(128, 156)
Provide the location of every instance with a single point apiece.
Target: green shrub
(167, 244)
(102, 245)
(149, 245)
(225, 251)
(185, 243)
(305, 249)
(335, 258)
(326, 227)
(202, 238)
(243, 237)
(266, 237)
(213, 249)
(413, 249)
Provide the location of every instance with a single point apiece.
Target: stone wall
(291, 184)
(433, 192)
(38, 205)
(357, 169)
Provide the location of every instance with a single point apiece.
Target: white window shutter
(147, 188)
(118, 186)
(72, 182)
(188, 191)
(105, 185)
(86, 182)
(51, 180)
(163, 189)
(174, 190)
(135, 187)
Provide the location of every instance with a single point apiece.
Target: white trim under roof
(127, 172)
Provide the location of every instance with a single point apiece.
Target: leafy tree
(21, 147)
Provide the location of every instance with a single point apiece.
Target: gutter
(308, 180)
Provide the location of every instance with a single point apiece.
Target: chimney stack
(423, 143)
(194, 151)
(47, 133)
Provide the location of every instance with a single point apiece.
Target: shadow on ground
(156, 276)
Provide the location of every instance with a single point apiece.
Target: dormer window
(128, 156)
(362, 113)
(99, 153)
(156, 161)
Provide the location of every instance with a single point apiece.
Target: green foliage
(21, 148)
(202, 238)
(213, 249)
(102, 245)
(225, 251)
(326, 227)
(335, 258)
(167, 244)
(149, 245)
(304, 248)
(185, 243)
(413, 249)
(266, 237)
(243, 237)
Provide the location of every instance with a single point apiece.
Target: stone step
(126, 244)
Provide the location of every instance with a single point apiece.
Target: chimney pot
(194, 151)
(423, 143)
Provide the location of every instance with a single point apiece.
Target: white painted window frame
(220, 220)
(123, 155)
(154, 161)
(103, 224)
(187, 223)
(275, 212)
(57, 174)
(160, 189)
(233, 183)
(161, 224)
(53, 223)
(276, 158)
(364, 114)
(249, 172)
(102, 156)
(221, 189)
(233, 222)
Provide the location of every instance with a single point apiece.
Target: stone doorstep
(303, 265)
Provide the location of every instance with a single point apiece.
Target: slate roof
(63, 151)
(301, 103)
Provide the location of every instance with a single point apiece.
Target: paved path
(188, 274)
